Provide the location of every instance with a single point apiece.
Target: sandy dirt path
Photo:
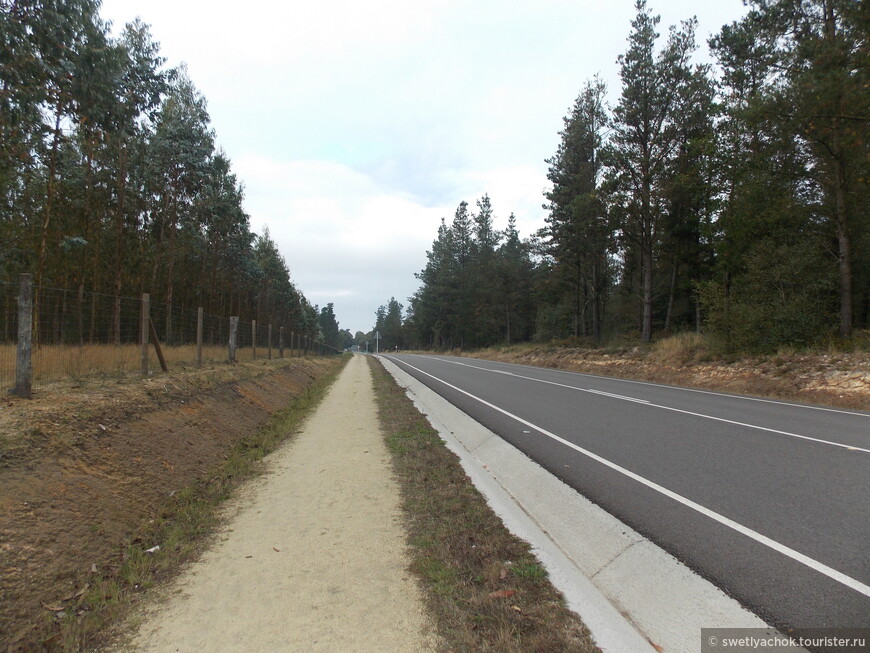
(313, 556)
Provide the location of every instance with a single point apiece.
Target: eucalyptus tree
(224, 228)
(180, 150)
(329, 327)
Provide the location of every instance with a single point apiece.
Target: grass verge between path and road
(181, 527)
(483, 586)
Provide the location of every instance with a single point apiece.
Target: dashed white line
(678, 388)
(848, 447)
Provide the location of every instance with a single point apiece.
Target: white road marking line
(676, 387)
(610, 394)
(797, 556)
(849, 447)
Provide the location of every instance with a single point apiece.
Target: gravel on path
(313, 556)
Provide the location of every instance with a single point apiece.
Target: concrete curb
(631, 594)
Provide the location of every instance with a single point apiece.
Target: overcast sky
(356, 126)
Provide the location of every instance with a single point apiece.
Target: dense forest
(730, 198)
(111, 183)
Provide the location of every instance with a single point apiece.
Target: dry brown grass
(55, 362)
(683, 348)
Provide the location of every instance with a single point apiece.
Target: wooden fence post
(157, 348)
(269, 341)
(199, 337)
(234, 328)
(145, 331)
(24, 359)
(254, 339)
(280, 342)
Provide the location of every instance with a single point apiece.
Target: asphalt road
(769, 500)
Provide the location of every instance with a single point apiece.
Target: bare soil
(832, 379)
(85, 467)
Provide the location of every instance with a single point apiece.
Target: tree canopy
(110, 180)
(730, 198)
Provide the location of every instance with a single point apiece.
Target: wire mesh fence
(77, 334)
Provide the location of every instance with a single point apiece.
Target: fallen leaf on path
(276, 549)
(502, 594)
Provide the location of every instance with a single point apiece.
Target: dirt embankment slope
(85, 468)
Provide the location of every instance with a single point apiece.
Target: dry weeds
(57, 362)
(833, 378)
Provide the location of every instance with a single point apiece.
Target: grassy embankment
(483, 586)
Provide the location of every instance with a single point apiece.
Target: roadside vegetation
(484, 587)
(823, 375)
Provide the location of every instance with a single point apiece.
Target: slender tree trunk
(844, 254)
(119, 242)
(647, 293)
(49, 199)
(671, 292)
(170, 272)
(596, 318)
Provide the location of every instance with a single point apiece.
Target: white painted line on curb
(674, 410)
(797, 556)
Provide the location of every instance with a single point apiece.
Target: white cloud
(355, 126)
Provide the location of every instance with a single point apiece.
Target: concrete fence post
(234, 331)
(280, 342)
(254, 339)
(199, 337)
(269, 342)
(24, 356)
